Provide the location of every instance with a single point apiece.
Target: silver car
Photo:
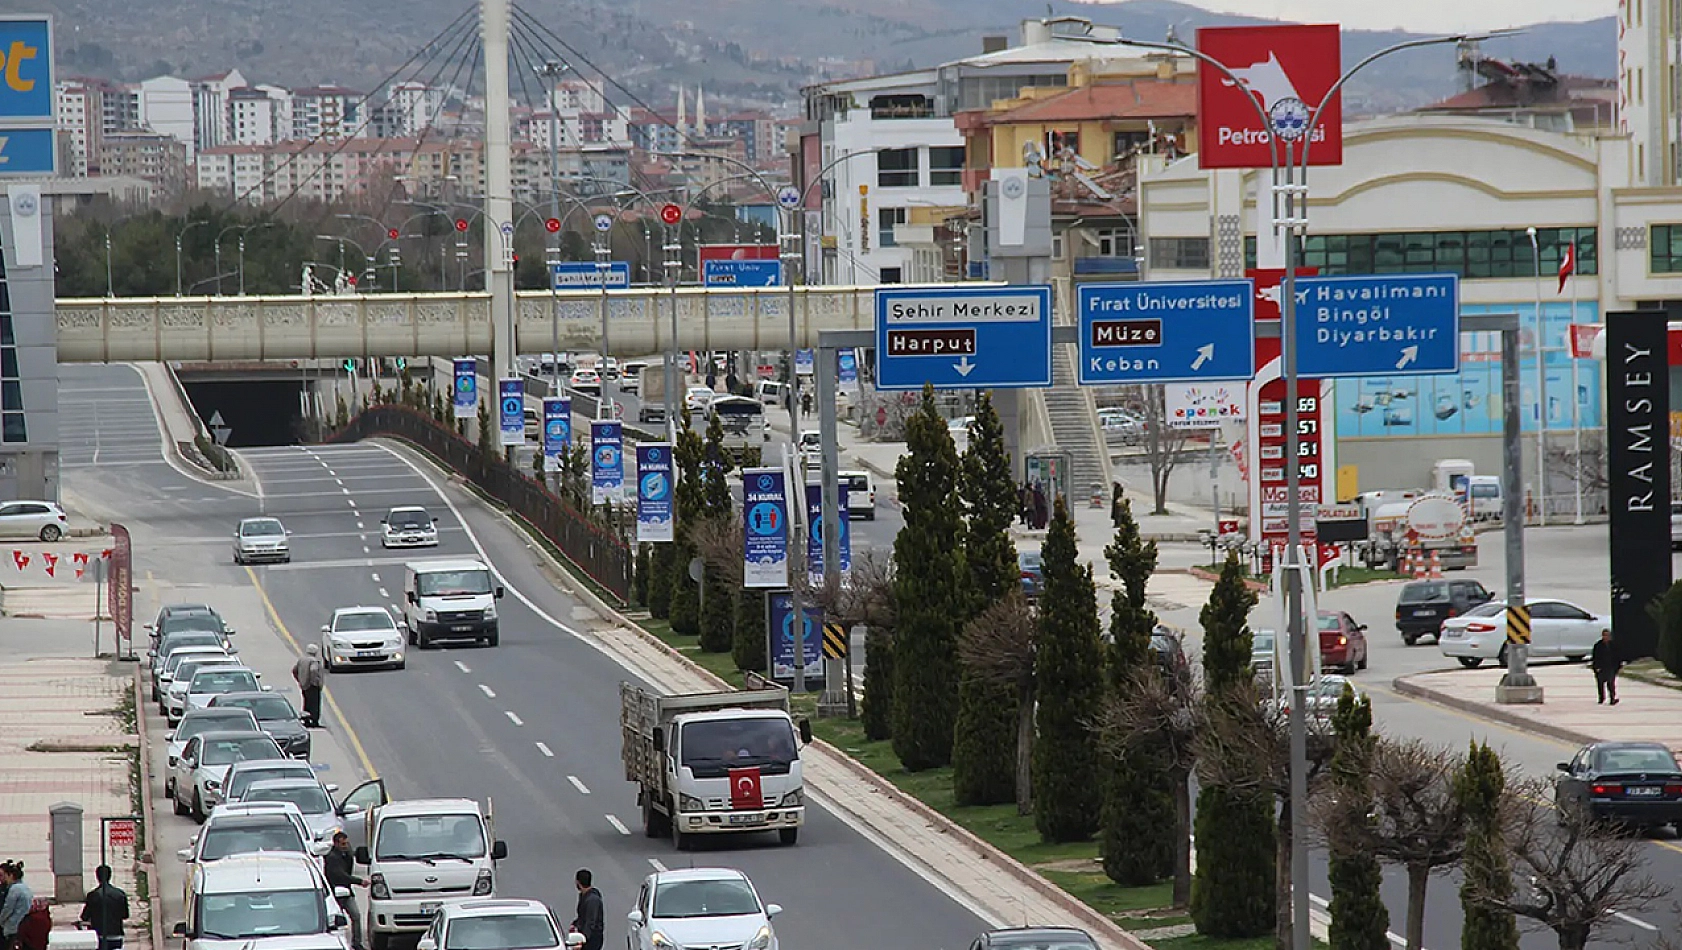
(33, 519)
(214, 719)
(210, 682)
(361, 636)
(205, 762)
(309, 796)
(408, 527)
(249, 772)
(175, 694)
(261, 539)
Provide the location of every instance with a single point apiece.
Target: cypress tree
(639, 580)
(930, 593)
(1360, 920)
(1480, 785)
(689, 453)
(876, 711)
(718, 607)
(984, 738)
(1232, 893)
(1666, 611)
(1138, 822)
(660, 581)
(747, 646)
(1069, 667)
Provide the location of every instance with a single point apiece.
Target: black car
(275, 716)
(1422, 606)
(1168, 651)
(179, 618)
(1637, 783)
(1035, 938)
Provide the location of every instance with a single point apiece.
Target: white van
(769, 391)
(407, 883)
(861, 494)
(450, 600)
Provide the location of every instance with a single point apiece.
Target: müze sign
(1638, 473)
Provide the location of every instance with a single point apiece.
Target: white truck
(422, 854)
(714, 763)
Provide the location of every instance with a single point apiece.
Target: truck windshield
(710, 749)
(453, 583)
(429, 837)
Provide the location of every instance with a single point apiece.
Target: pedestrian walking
(1041, 516)
(310, 675)
(1605, 663)
(1024, 504)
(19, 899)
(589, 920)
(104, 909)
(340, 867)
(1118, 502)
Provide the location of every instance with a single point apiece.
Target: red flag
(52, 562)
(1567, 266)
(744, 789)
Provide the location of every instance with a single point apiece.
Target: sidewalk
(1645, 713)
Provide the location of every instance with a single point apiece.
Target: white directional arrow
(1409, 355)
(1205, 353)
(216, 419)
(963, 366)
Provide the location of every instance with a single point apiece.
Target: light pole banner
(607, 462)
(781, 609)
(557, 428)
(511, 410)
(765, 528)
(466, 388)
(847, 370)
(814, 537)
(804, 360)
(654, 491)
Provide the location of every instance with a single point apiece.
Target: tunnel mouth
(249, 413)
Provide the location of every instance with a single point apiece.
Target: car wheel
(1576, 657)
(198, 807)
(423, 640)
(788, 836)
(180, 805)
(653, 823)
(1471, 662)
(493, 639)
(680, 840)
(400, 664)
(1363, 664)
(870, 516)
(239, 560)
(51, 532)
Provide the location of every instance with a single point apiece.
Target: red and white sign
(744, 789)
(119, 832)
(461, 224)
(1316, 472)
(670, 213)
(391, 233)
(552, 225)
(1288, 70)
(1582, 339)
(1329, 553)
(738, 252)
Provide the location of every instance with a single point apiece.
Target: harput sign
(1289, 69)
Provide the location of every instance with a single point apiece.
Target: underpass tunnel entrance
(257, 412)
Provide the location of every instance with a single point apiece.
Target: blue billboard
(814, 537)
(783, 635)
(607, 462)
(557, 428)
(765, 510)
(466, 388)
(655, 520)
(511, 410)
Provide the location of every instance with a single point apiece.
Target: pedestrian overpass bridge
(215, 329)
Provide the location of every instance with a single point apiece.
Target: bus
(743, 422)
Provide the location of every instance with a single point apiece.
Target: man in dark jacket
(104, 909)
(1605, 663)
(340, 867)
(589, 919)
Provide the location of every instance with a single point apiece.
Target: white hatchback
(700, 907)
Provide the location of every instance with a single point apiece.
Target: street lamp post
(178, 236)
(1541, 389)
(242, 233)
(109, 292)
(551, 70)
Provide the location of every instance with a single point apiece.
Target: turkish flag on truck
(744, 789)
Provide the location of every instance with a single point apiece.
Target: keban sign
(963, 338)
(607, 462)
(1287, 70)
(1144, 332)
(1392, 325)
(764, 529)
(466, 388)
(654, 492)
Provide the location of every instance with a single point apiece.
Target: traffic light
(402, 364)
(350, 366)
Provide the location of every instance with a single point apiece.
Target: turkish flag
(1567, 267)
(744, 789)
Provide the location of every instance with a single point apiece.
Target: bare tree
(1567, 465)
(718, 542)
(1412, 818)
(999, 645)
(1161, 442)
(1248, 746)
(1166, 716)
(1572, 873)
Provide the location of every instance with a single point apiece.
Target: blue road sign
(963, 337)
(26, 78)
(28, 151)
(755, 273)
(1390, 325)
(571, 275)
(1168, 332)
(511, 410)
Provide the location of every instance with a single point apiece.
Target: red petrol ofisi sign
(1289, 69)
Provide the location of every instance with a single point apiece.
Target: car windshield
(1635, 759)
(855, 483)
(1485, 610)
(1028, 561)
(425, 837)
(712, 748)
(503, 932)
(1326, 622)
(224, 839)
(177, 623)
(1424, 593)
(184, 663)
(730, 897)
(310, 799)
(448, 583)
(265, 708)
(196, 638)
(223, 681)
(1486, 491)
(190, 668)
(229, 751)
(261, 529)
(362, 621)
(194, 725)
(1041, 942)
(254, 914)
(410, 520)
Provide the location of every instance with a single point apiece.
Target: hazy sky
(1418, 15)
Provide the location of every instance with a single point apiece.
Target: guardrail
(603, 556)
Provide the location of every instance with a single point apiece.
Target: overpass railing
(606, 558)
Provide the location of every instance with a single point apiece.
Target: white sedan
(698, 398)
(1557, 628)
(497, 922)
(698, 907)
(409, 526)
(361, 636)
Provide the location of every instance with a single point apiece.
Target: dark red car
(1343, 642)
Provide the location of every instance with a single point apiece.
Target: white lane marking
(582, 790)
(462, 667)
(618, 825)
(376, 577)
(337, 479)
(1637, 922)
(487, 691)
(365, 549)
(516, 720)
(655, 862)
(545, 750)
(1390, 935)
(384, 594)
(359, 526)
(343, 489)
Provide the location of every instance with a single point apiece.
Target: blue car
(1033, 573)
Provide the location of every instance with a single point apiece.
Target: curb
(1203, 573)
(148, 859)
(1402, 686)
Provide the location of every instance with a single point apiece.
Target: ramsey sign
(1289, 69)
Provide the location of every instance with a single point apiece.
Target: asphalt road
(531, 725)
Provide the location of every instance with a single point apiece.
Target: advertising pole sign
(607, 462)
(1315, 461)
(765, 529)
(654, 492)
(847, 370)
(120, 584)
(814, 537)
(1288, 69)
(781, 608)
(805, 362)
(1638, 474)
(511, 410)
(466, 388)
(557, 428)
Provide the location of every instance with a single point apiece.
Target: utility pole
(551, 71)
(499, 190)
